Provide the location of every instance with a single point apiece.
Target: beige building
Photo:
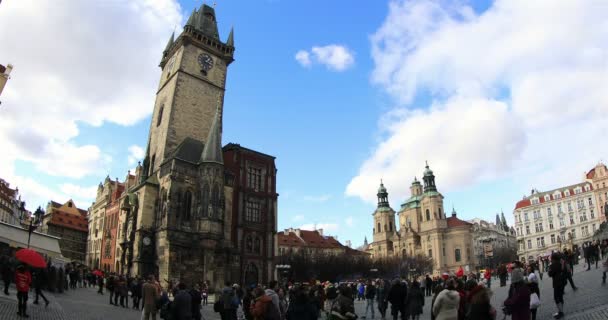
(293, 240)
(69, 223)
(598, 177)
(490, 237)
(12, 209)
(556, 219)
(423, 229)
(96, 218)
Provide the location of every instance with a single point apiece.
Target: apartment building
(555, 220)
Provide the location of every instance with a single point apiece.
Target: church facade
(197, 211)
(423, 228)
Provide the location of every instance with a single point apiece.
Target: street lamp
(33, 225)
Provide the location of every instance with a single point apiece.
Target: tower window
(187, 204)
(428, 215)
(152, 164)
(390, 227)
(159, 118)
(254, 178)
(379, 229)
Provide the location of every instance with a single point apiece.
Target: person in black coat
(300, 307)
(7, 272)
(39, 283)
(182, 304)
(415, 300)
(396, 296)
(196, 302)
(556, 272)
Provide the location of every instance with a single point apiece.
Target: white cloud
(518, 90)
(319, 198)
(303, 57)
(78, 192)
(327, 227)
(334, 57)
(101, 70)
(136, 153)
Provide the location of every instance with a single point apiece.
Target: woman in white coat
(447, 303)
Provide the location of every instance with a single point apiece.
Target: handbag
(534, 301)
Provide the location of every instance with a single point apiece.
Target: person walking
(396, 296)
(488, 276)
(300, 307)
(567, 269)
(110, 286)
(533, 286)
(6, 268)
(447, 302)
(196, 302)
(428, 285)
(480, 307)
(381, 294)
(39, 282)
(150, 295)
(518, 302)
(100, 285)
(415, 300)
(23, 280)
(227, 303)
(182, 303)
(556, 272)
(370, 295)
(205, 294)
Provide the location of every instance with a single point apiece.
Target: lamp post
(33, 224)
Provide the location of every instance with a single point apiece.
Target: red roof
(591, 174)
(453, 221)
(70, 221)
(312, 239)
(541, 195)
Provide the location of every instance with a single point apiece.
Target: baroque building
(491, 237)
(12, 209)
(96, 220)
(194, 206)
(69, 223)
(424, 228)
(598, 177)
(562, 218)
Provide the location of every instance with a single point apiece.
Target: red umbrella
(98, 273)
(31, 257)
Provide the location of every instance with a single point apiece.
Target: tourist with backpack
(227, 304)
(264, 308)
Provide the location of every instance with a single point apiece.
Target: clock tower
(191, 87)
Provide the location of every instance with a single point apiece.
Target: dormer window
(534, 200)
(587, 187)
(547, 197)
(567, 193)
(557, 195)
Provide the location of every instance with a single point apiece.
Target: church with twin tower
(199, 211)
(423, 228)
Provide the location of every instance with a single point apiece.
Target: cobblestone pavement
(590, 302)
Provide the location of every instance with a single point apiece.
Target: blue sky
(379, 87)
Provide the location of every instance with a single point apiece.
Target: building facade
(69, 223)
(194, 206)
(424, 228)
(313, 241)
(491, 237)
(557, 219)
(110, 229)
(12, 209)
(96, 220)
(251, 179)
(598, 177)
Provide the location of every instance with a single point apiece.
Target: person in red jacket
(23, 280)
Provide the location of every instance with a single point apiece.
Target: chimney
(320, 231)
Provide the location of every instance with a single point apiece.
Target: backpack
(272, 312)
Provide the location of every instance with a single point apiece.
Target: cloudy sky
(499, 97)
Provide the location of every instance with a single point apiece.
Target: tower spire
(230, 41)
(212, 152)
(170, 42)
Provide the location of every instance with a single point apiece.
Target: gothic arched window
(257, 245)
(249, 244)
(428, 215)
(215, 197)
(159, 117)
(187, 206)
(205, 200)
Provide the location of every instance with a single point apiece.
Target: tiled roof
(453, 221)
(69, 220)
(311, 239)
(541, 195)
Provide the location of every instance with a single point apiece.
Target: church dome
(427, 170)
(381, 189)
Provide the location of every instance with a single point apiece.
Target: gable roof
(551, 193)
(453, 222)
(188, 150)
(308, 239)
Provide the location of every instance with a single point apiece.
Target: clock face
(205, 61)
(146, 241)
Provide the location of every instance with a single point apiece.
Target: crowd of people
(456, 296)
